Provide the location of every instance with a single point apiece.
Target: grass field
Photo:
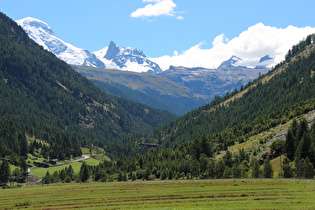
(203, 194)
(40, 172)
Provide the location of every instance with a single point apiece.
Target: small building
(53, 161)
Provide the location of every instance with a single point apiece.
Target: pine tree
(84, 172)
(287, 170)
(204, 160)
(23, 144)
(204, 146)
(24, 168)
(227, 158)
(46, 178)
(4, 171)
(70, 172)
(290, 144)
(307, 169)
(164, 174)
(255, 168)
(196, 150)
(170, 174)
(302, 128)
(268, 170)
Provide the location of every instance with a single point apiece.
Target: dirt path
(85, 157)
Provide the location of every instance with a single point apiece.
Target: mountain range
(214, 82)
(42, 95)
(44, 98)
(111, 57)
(151, 89)
(206, 83)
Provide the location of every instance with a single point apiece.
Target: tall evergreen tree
(4, 171)
(290, 144)
(267, 170)
(205, 146)
(255, 168)
(23, 144)
(84, 172)
(46, 179)
(302, 128)
(287, 170)
(308, 169)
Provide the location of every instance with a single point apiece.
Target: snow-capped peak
(229, 63)
(126, 58)
(113, 57)
(29, 23)
(41, 33)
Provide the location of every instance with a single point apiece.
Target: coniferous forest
(44, 98)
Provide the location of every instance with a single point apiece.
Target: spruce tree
(4, 171)
(287, 170)
(46, 179)
(289, 145)
(268, 170)
(204, 146)
(308, 169)
(84, 172)
(23, 144)
(255, 168)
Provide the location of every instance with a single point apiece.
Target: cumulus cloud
(257, 41)
(159, 8)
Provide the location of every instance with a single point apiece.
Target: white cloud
(219, 40)
(180, 17)
(257, 41)
(151, 1)
(159, 8)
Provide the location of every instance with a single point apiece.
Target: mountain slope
(41, 33)
(112, 57)
(168, 95)
(213, 82)
(44, 95)
(290, 82)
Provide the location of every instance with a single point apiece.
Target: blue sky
(159, 27)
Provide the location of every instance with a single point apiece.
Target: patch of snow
(134, 66)
(41, 33)
(101, 53)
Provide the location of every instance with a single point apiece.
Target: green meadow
(40, 172)
(201, 194)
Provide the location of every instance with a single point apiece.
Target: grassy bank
(214, 194)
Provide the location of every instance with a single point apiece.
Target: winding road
(84, 157)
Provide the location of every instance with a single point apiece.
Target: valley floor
(192, 194)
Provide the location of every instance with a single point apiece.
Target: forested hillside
(153, 90)
(289, 83)
(258, 106)
(224, 139)
(44, 97)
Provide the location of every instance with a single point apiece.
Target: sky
(176, 32)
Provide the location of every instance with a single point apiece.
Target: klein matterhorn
(112, 57)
